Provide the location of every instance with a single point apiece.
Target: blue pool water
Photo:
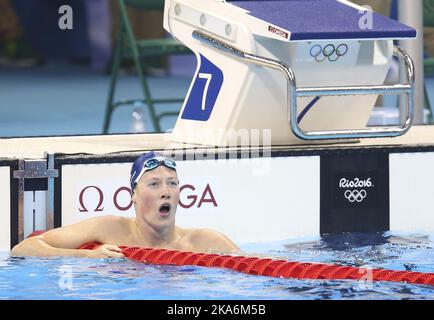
(73, 278)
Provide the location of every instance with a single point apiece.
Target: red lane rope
(267, 267)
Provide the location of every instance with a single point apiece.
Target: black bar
(354, 193)
(14, 204)
(57, 214)
(38, 184)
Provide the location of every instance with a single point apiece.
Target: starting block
(308, 70)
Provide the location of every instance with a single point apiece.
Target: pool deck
(34, 148)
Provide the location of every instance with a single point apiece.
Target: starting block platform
(308, 70)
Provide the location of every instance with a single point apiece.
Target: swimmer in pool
(155, 194)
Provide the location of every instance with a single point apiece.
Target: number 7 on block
(208, 78)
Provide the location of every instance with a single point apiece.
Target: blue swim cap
(146, 162)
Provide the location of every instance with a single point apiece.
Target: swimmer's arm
(64, 241)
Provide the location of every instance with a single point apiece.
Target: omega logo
(194, 198)
(206, 196)
(99, 207)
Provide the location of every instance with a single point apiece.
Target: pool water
(74, 278)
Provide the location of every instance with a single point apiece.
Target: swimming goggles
(153, 163)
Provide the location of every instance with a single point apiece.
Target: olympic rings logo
(330, 52)
(355, 195)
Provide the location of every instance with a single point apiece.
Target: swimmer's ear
(133, 197)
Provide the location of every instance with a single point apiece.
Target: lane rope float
(269, 267)
(266, 266)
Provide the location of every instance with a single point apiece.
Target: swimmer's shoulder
(112, 224)
(200, 233)
(121, 223)
(111, 221)
(205, 234)
(210, 240)
(114, 229)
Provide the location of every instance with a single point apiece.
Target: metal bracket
(294, 92)
(36, 169)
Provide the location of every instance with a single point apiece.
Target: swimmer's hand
(105, 251)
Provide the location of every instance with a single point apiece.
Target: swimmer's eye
(173, 183)
(154, 184)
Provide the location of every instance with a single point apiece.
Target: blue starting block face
(204, 92)
(323, 19)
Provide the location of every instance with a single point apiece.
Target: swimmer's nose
(165, 193)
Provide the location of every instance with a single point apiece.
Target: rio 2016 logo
(355, 195)
(194, 197)
(329, 52)
(355, 189)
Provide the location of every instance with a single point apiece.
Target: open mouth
(165, 209)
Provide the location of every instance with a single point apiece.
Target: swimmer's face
(156, 196)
